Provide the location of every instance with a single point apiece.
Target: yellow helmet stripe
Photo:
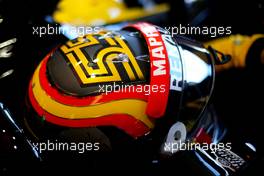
(133, 107)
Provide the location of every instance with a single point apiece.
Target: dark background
(238, 96)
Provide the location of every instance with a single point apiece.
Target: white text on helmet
(157, 51)
(175, 63)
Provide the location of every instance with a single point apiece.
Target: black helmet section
(65, 78)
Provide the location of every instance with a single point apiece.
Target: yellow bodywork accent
(133, 107)
(99, 12)
(235, 45)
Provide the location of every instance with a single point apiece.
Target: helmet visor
(198, 79)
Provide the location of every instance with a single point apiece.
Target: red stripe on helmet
(130, 125)
(159, 64)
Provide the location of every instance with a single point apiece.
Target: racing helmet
(132, 80)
